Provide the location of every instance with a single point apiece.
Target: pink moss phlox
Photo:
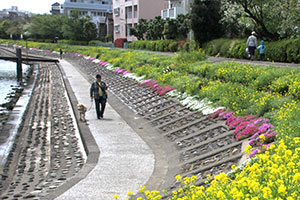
(92, 58)
(126, 72)
(216, 114)
(119, 70)
(165, 90)
(152, 83)
(155, 86)
(145, 82)
(227, 115)
(252, 154)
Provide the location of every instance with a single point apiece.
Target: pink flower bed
(156, 87)
(258, 129)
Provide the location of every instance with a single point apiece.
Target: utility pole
(19, 64)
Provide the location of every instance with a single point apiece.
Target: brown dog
(82, 110)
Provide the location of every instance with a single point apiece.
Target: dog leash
(91, 105)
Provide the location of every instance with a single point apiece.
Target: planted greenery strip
(226, 150)
(173, 117)
(202, 168)
(197, 139)
(169, 113)
(158, 112)
(154, 108)
(218, 124)
(182, 119)
(193, 123)
(207, 146)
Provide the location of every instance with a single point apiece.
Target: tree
(234, 21)
(183, 26)
(140, 30)
(16, 28)
(155, 28)
(273, 19)
(170, 29)
(205, 20)
(4, 25)
(46, 26)
(79, 28)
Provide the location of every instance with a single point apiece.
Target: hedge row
(279, 51)
(163, 45)
(98, 43)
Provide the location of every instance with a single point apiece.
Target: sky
(34, 6)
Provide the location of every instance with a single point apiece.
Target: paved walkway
(125, 163)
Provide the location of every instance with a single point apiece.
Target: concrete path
(125, 163)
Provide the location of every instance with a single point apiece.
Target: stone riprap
(47, 152)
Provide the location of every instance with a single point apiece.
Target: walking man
(98, 92)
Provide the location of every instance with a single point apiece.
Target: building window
(83, 13)
(128, 11)
(128, 26)
(117, 11)
(135, 11)
(117, 28)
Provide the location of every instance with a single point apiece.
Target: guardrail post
(19, 64)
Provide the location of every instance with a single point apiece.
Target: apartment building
(126, 14)
(176, 7)
(98, 10)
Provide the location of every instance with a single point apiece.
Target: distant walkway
(222, 59)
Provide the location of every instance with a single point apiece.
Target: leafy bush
(72, 42)
(173, 46)
(280, 51)
(190, 46)
(100, 44)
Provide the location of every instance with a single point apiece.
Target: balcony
(90, 6)
(172, 12)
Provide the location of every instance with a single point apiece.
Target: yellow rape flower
(296, 177)
(282, 189)
(142, 189)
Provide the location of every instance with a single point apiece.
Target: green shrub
(173, 46)
(280, 51)
(293, 51)
(160, 45)
(100, 44)
(190, 46)
(72, 42)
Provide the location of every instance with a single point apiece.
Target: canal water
(8, 79)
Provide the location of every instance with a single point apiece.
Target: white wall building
(96, 9)
(126, 14)
(177, 7)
